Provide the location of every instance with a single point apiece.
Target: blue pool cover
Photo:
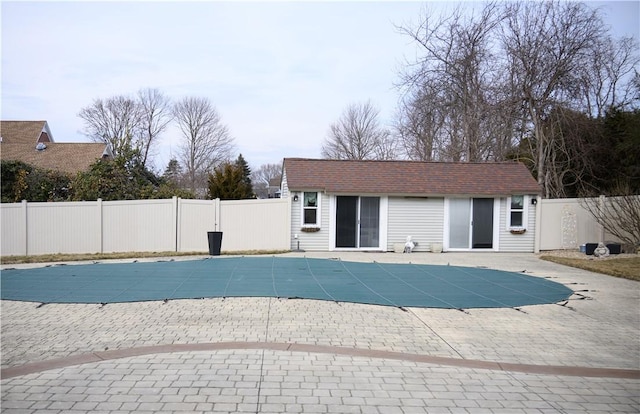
(402, 285)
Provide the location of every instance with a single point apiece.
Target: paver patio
(600, 329)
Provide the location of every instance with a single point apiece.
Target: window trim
(524, 210)
(317, 208)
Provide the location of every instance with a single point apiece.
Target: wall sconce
(295, 197)
(534, 201)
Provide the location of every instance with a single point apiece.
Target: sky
(278, 73)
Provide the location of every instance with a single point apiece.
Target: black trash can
(215, 242)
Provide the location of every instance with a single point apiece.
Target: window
(517, 211)
(310, 209)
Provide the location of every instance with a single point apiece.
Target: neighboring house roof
(411, 178)
(21, 140)
(25, 132)
(66, 157)
(275, 182)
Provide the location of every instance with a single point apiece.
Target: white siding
(255, 224)
(310, 241)
(517, 242)
(421, 218)
(285, 186)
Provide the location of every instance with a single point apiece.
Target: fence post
(538, 231)
(176, 229)
(217, 224)
(101, 226)
(25, 227)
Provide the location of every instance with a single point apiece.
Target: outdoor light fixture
(295, 197)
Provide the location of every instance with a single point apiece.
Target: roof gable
(31, 142)
(409, 177)
(25, 132)
(66, 157)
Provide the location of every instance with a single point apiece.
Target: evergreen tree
(173, 172)
(246, 171)
(228, 182)
(123, 178)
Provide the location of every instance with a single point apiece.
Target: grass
(627, 267)
(45, 258)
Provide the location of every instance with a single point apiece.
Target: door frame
(496, 226)
(382, 222)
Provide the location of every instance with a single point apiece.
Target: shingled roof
(65, 157)
(25, 132)
(409, 178)
(19, 140)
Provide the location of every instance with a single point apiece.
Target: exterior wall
(517, 242)
(421, 218)
(142, 225)
(285, 187)
(318, 241)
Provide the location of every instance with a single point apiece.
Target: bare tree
(419, 123)
(574, 140)
(113, 121)
(128, 124)
(155, 116)
(357, 135)
(546, 43)
(619, 215)
(486, 85)
(452, 91)
(206, 140)
(605, 80)
(262, 177)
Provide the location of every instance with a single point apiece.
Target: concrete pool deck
(279, 355)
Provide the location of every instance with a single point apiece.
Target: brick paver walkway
(600, 329)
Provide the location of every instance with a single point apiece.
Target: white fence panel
(72, 227)
(14, 231)
(139, 225)
(255, 224)
(195, 219)
(181, 225)
(565, 224)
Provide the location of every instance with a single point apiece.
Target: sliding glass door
(471, 223)
(357, 221)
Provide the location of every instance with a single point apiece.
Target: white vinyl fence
(182, 225)
(142, 225)
(565, 224)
